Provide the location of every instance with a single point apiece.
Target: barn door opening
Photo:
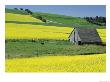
(79, 42)
(74, 37)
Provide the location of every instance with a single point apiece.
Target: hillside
(32, 45)
(10, 17)
(65, 20)
(26, 27)
(32, 28)
(16, 11)
(56, 19)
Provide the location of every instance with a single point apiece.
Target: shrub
(44, 20)
(39, 17)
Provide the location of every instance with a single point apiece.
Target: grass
(82, 63)
(20, 49)
(64, 20)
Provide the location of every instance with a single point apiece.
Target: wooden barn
(85, 36)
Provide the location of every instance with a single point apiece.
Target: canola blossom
(82, 63)
(27, 31)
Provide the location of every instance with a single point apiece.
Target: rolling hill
(28, 31)
(14, 11)
(26, 27)
(11, 18)
(35, 46)
(65, 20)
(19, 26)
(57, 20)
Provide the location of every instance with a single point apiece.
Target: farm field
(27, 31)
(17, 31)
(20, 18)
(34, 46)
(82, 63)
(64, 20)
(49, 48)
(15, 11)
(20, 26)
(102, 34)
(55, 18)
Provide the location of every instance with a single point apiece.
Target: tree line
(31, 13)
(27, 10)
(98, 20)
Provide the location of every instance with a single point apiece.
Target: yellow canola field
(82, 63)
(27, 31)
(102, 34)
(21, 18)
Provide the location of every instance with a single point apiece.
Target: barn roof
(88, 34)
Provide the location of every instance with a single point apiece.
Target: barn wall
(72, 37)
(79, 38)
(76, 36)
(85, 36)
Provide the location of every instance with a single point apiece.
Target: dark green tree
(28, 11)
(21, 8)
(16, 8)
(44, 20)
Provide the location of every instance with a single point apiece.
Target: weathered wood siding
(85, 36)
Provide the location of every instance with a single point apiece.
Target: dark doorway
(74, 37)
(79, 42)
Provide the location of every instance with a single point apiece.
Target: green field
(35, 46)
(49, 48)
(61, 18)
(65, 20)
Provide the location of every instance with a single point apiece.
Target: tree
(104, 19)
(44, 20)
(21, 8)
(31, 12)
(96, 20)
(28, 11)
(16, 8)
(39, 17)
